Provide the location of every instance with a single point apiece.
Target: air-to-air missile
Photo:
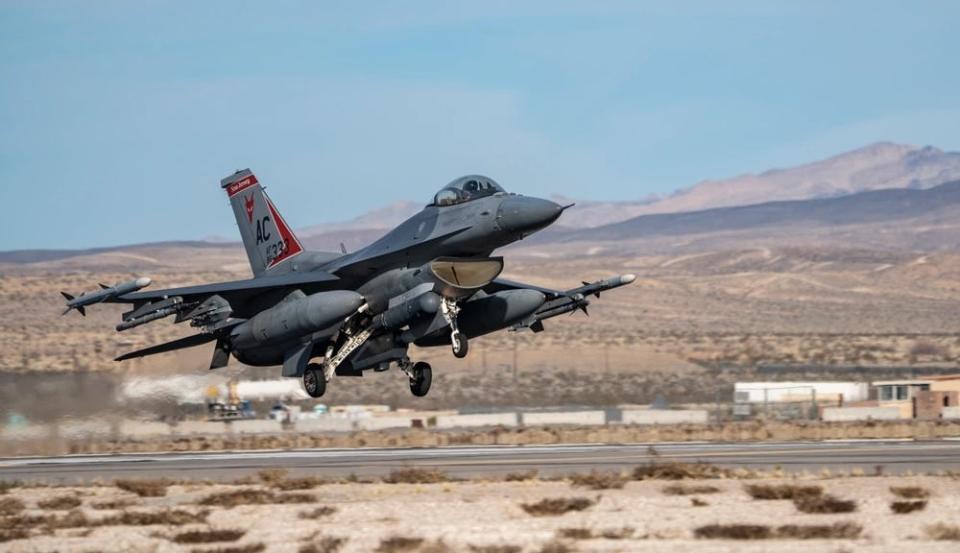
(103, 294)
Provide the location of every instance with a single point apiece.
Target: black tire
(422, 377)
(460, 345)
(314, 382)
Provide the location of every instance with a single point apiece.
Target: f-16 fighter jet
(431, 281)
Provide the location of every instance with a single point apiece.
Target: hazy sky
(117, 119)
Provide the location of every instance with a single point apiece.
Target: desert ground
(690, 326)
(670, 507)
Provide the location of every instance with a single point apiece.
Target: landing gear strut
(314, 381)
(458, 341)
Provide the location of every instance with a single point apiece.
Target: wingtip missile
(103, 294)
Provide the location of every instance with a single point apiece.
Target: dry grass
(905, 507)
(416, 476)
(943, 532)
(113, 504)
(835, 531)
(910, 492)
(399, 544)
(680, 489)
(782, 491)
(521, 477)
(304, 483)
(208, 536)
(11, 506)
(589, 534)
(168, 517)
(617, 533)
(6, 486)
(144, 488)
(272, 476)
(679, 471)
(502, 548)
(824, 504)
(60, 503)
(734, 532)
(556, 546)
(252, 496)
(249, 548)
(575, 533)
(319, 512)
(596, 480)
(557, 506)
(325, 544)
(838, 530)
(10, 534)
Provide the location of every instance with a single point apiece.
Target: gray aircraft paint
(299, 304)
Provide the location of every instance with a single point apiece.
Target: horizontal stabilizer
(181, 343)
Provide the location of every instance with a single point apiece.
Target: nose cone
(526, 215)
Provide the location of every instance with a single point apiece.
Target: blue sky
(117, 119)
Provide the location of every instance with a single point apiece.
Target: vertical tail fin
(266, 236)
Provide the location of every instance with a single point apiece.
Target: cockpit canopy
(467, 188)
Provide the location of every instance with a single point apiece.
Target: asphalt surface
(893, 457)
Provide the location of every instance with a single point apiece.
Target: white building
(780, 392)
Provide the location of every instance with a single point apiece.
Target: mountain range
(882, 195)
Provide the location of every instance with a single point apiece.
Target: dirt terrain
(707, 509)
(689, 327)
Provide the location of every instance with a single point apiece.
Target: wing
(235, 291)
(559, 302)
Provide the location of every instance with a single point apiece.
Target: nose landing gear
(458, 341)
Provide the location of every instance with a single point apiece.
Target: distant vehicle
(430, 281)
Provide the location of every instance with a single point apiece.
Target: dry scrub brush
(324, 544)
(521, 477)
(680, 489)
(416, 476)
(944, 532)
(319, 512)
(838, 530)
(824, 504)
(596, 480)
(557, 506)
(234, 498)
(208, 536)
(11, 506)
(910, 492)
(60, 503)
(679, 471)
(404, 544)
(502, 548)
(905, 507)
(144, 488)
(249, 548)
(783, 491)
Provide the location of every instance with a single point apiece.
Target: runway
(892, 457)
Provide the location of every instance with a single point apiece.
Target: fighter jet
(431, 281)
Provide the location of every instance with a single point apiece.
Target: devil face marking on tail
(248, 203)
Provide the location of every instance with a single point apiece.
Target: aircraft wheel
(422, 377)
(314, 381)
(460, 345)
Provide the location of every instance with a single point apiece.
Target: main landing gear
(420, 375)
(314, 381)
